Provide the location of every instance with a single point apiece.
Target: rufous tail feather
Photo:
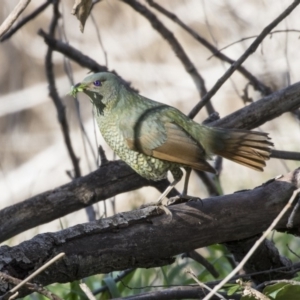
(248, 148)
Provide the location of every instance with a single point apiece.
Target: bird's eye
(97, 83)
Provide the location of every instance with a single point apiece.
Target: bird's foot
(182, 199)
(158, 204)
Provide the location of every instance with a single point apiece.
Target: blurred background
(33, 156)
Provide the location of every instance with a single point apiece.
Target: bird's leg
(186, 181)
(184, 196)
(167, 191)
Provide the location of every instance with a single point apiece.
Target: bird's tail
(248, 148)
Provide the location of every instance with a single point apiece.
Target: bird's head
(102, 89)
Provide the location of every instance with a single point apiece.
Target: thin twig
(118, 278)
(251, 49)
(72, 53)
(87, 291)
(255, 246)
(289, 155)
(176, 46)
(77, 56)
(69, 72)
(61, 114)
(38, 271)
(85, 138)
(251, 37)
(25, 20)
(99, 39)
(257, 85)
(201, 284)
(13, 16)
(197, 257)
(295, 268)
(293, 252)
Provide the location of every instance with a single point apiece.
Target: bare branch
(103, 183)
(109, 180)
(257, 85)
(263, 110)
(36, 272)
(13, 16)
(252, 37)
(236, 216)
(256, 245)
(251, 49)
(196, 256)
(204, 286)
(289, 155)
(32, 287)
(266, 257)
(87, 291)
(72, 53)
(25, 20)
(176, 47)
(180, 292)
(61, 114)
(77, 56)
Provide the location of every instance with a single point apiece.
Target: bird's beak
(75, 89)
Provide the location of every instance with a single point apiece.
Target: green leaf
(233, 289)
(272, 290)
(289, 291)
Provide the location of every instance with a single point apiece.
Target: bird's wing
(158, 136)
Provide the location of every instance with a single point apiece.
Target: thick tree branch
(263, 110)
(148, 237)
(109, 180)
(251, 116)
(266, 257)
(251, 49)
(75, 55)
(72, 53)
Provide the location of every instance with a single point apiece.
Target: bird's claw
(196, 199)
(158, 204)
(182, 199)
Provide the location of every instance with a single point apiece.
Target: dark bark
(266, 257)
(263, 110)
(109, 180)
(148, 237)
(116, 177)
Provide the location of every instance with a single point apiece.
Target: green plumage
(154, 138)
